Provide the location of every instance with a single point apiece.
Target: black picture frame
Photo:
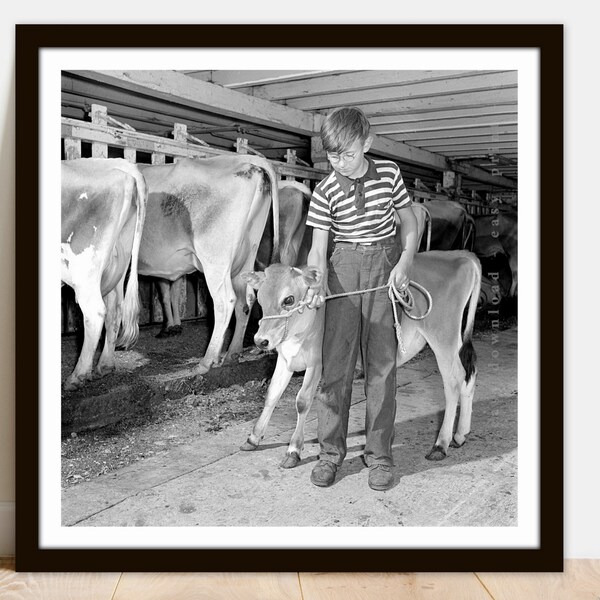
(31, 39)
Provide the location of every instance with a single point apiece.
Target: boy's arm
(317, 257)
(400, 275)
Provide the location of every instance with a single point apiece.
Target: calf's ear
(253, 278)
(312, 275)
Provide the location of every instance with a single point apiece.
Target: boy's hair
(342, 127)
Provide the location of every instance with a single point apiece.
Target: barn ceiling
(428, 121)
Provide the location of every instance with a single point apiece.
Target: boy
(357, 201)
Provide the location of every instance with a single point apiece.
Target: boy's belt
(385, 242)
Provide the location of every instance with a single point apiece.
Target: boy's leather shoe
(381, 477)
(323, 474)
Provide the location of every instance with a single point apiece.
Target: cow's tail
(467, 355)
(131, 303)
(276, 254)
(427, 228)
(469, 233)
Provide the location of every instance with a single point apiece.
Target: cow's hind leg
(304, 400)
(164, 294)
(243, 306)
(279, 381)
(113, 301)
(93, 309)
(221, 289)
(176, 287)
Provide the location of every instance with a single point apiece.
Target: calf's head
(281, 288)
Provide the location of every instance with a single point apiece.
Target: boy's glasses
(345, 156)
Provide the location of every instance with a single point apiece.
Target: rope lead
(404, 298)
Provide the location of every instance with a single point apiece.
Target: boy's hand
(315, 296)
(400, 275)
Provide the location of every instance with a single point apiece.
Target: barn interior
(453, 133)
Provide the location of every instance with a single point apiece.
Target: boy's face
(350, 162)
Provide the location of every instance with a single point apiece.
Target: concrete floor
(212, 483)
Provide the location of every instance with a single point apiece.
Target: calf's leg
(279, 381)
(304, 400)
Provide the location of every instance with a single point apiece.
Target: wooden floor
(580, 581)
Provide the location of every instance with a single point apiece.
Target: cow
(295, 240)
(451, 277)
(496, 234)
(208, 215)
(452, 227)
(103, 206)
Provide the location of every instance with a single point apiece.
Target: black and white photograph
(204, 367)
(290, 308)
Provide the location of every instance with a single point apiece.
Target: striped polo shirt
(332, 205)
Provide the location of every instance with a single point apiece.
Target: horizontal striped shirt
(332, 205)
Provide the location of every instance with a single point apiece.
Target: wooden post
(290, 158)
(98, 113)
(449, 179)
(179, 135)
(318, 155)
(158, 158)
(241, 145)
(72, 148)
(180, 132)
(130, 154)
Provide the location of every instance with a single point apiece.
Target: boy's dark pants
(364, 321)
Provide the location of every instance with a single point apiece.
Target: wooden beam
(398, 151)
(182, 89)
(372, 104)
(454, 134)
(447, 125)
(448, 113)
(236, 79)
(484, 148)
(403, 152)
(353, 80)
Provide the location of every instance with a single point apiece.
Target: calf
(452, 278)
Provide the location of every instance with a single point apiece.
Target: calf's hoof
(290, 461)
(248, 446)
(458, 441)
(436, 453)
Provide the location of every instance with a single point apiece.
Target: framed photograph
(151, 458)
